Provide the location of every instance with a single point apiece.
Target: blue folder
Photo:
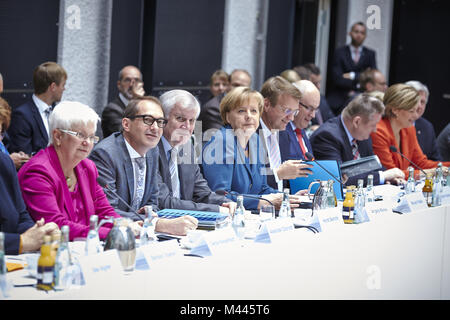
(320, 174)
(205, 218)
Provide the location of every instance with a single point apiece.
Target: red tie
(300, 140)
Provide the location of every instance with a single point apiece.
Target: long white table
(392, 257)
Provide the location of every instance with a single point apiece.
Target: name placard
(214, 242)
(274, 229)
(411, 202)
(157, 253)
(99, 266)
(377, 209)
(330, 218)
(445, 195)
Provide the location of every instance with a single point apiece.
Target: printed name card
(445, 195)
(101, 265)
(159, 253)
(377, 209)
(214, 242)
(411, 202)
(274, 229)
(329, 218)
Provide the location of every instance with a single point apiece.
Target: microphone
(394, 149)
(224, 193)
(311, 158)
(103, 184)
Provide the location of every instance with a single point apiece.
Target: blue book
(319, 173)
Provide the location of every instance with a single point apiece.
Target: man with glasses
(294, 142)
(127, 163)
(177, 165)
(281, 105)
(129, 84)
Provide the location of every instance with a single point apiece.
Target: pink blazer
(47, 196)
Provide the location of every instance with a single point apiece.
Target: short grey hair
(419, 86)
(182, 98)
(363, 105)
(69, 113)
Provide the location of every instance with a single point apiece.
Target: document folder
(319, 173)
(206, 219)
(363, 165)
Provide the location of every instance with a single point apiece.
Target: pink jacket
(47, 196)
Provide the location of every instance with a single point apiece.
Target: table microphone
(103, 184)
(311, 158)
(394, 149)
(224, 193)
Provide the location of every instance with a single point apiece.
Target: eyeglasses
(149, 120)
(289, 112)
(308, 108)
(81, 136)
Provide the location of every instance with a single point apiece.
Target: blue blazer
(330, 142)
(426, 137)
(289, 147)
(27, 131)
(14, 217)
(225, 167)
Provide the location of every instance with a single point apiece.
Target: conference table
(393, 256)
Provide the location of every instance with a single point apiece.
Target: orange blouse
(384, 137)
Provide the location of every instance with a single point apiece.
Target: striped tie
(355, 151)
(173, 169)
(274, 151)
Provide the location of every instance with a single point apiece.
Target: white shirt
(42, 106)
(133, 155)
(266, 134)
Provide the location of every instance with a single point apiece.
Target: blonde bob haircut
(237, 97)
(400, 97)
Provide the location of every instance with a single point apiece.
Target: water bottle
(285, 209)
(148, 229)
(360, 201)
(238, 218)
(411, 183)
(3, 282)
(62, 276)
(93, 245)
(370, 193)
(437, 186)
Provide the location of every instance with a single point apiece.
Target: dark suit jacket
(289, 146)
(115, 167)
(443, 142)
(427, 139)
(193, 186)
(210, 114)
(324, 109)
(330, 142)
(14, 217)
(112, 117)
(342, 63)
(27, 130)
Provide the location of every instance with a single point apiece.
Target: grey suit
(194, 189)
(115, 167)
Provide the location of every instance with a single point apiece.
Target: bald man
(129, 84)
(293, 141)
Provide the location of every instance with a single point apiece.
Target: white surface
(391, 257)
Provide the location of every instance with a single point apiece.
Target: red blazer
(47, 196)
(384, 137)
